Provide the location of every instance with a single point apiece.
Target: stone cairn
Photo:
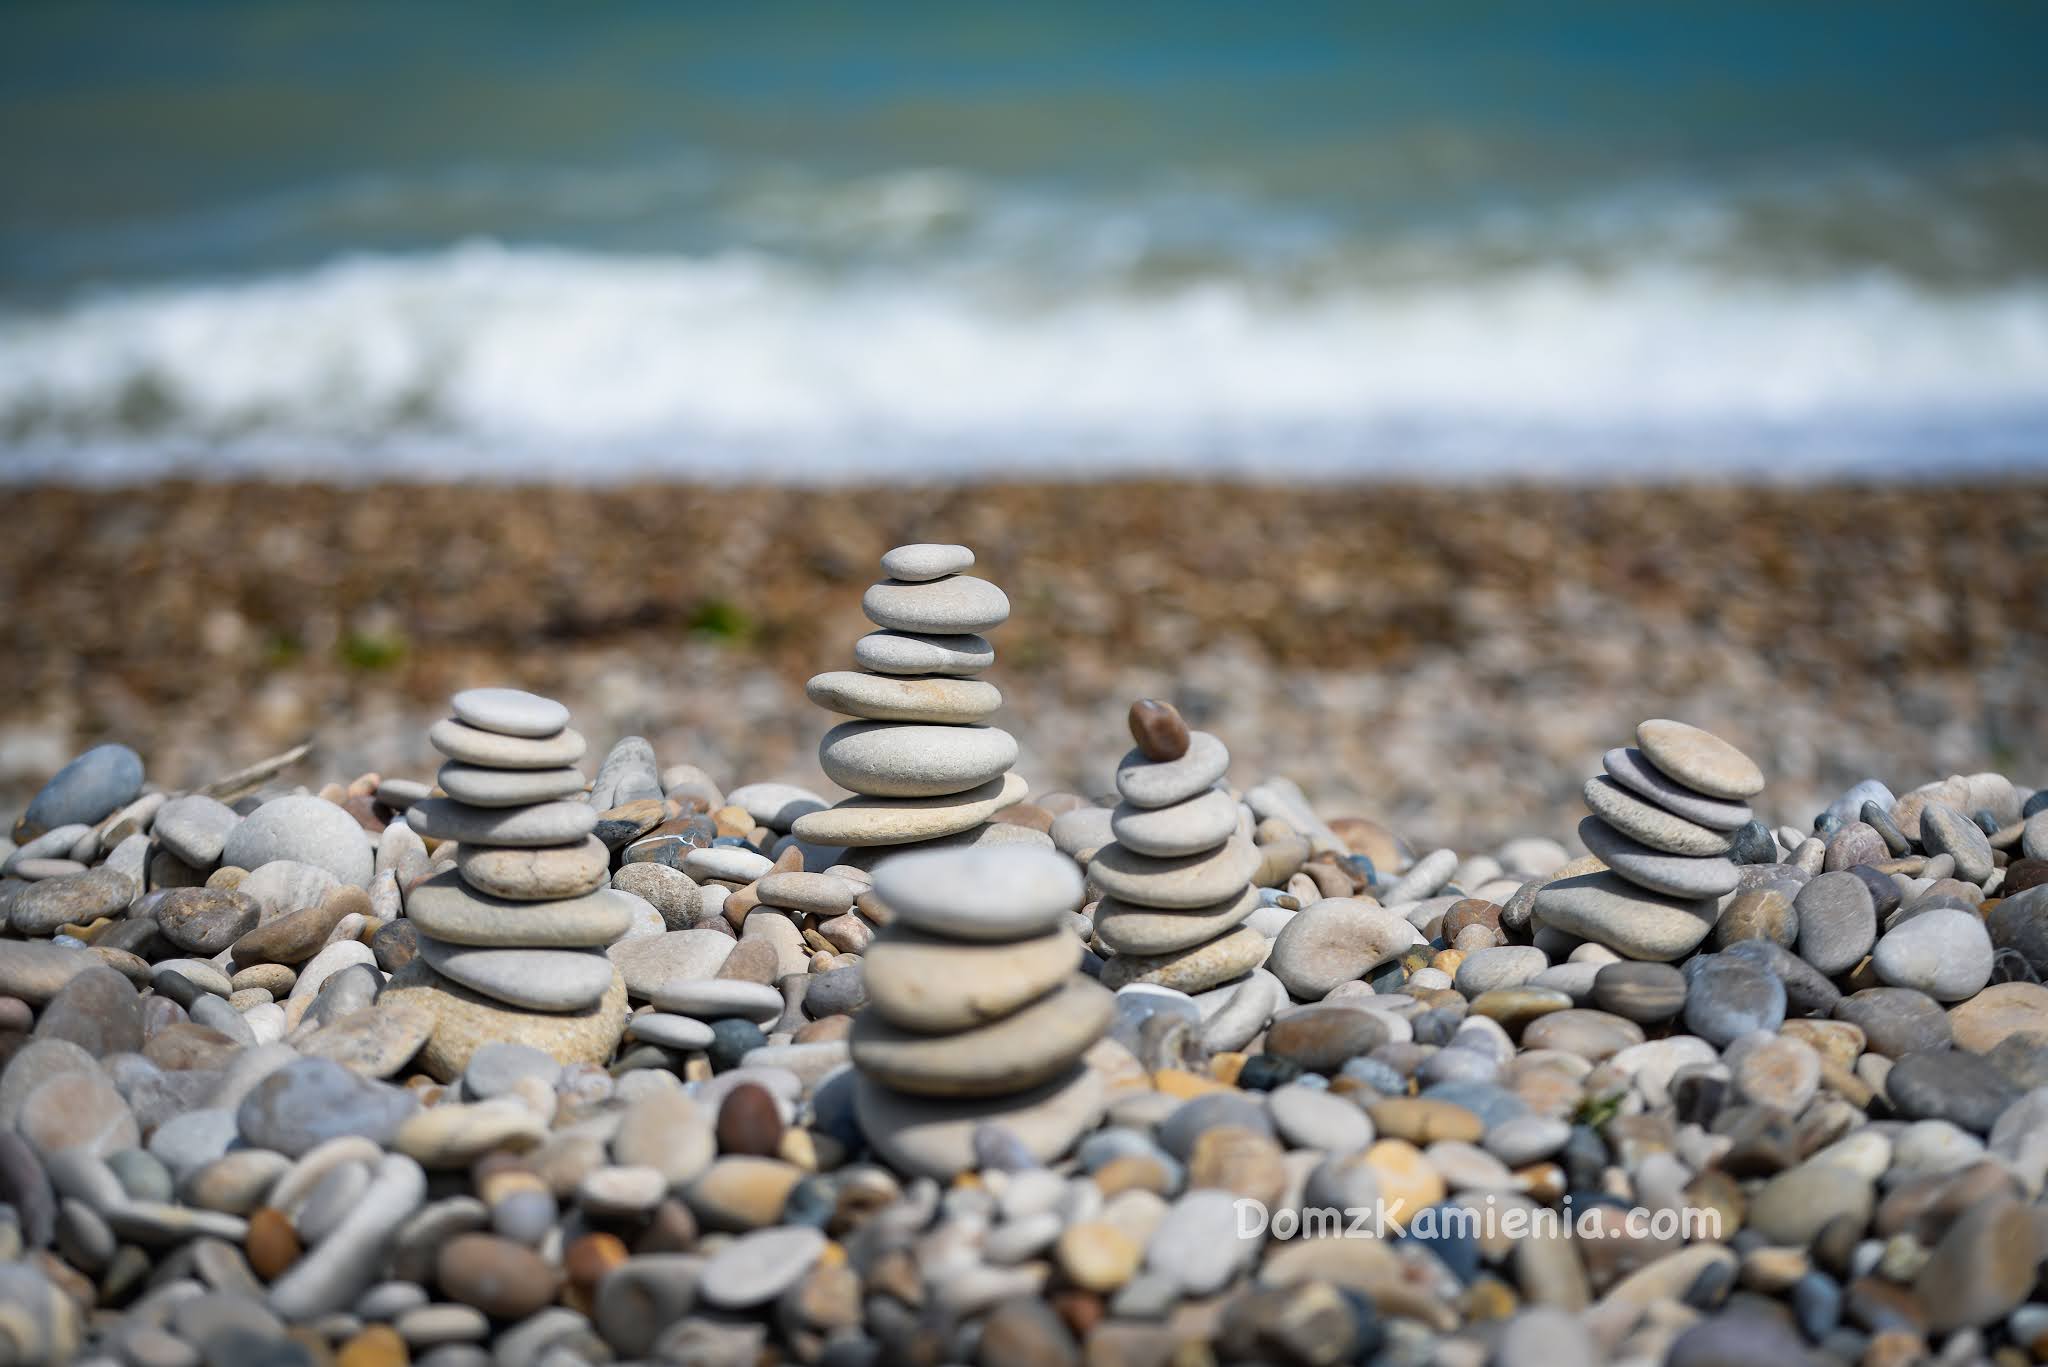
(512, 939)
(919, 759)
(975, 1014)
(1177, 879)
(1667, 814)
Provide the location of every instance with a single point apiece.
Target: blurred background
(1419, 395)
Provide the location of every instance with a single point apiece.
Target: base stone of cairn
(1665, 818)
(1177, 878)
(921, 762)
(976, 1015)
(512, 939)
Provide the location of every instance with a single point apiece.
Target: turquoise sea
(1577, 240)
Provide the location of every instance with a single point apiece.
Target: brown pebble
(738, 904)
(587, 1259)
(1082, 1310)
(1158, 729)
(377, 1345)
(505, 1280)
(672, 1230)
(272, 1243)
(1473, 911)
(749, 1122)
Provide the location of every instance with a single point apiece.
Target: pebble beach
(536, 1042)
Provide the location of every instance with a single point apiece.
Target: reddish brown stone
(749, 1122)
(272, 1243)
(1158, 729)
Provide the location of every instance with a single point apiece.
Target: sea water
(1572, 241)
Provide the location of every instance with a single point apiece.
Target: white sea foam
(498, 362)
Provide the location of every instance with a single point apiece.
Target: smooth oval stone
(1337, 940)
(910, 652)
(1943, 830)
(985, 894)
(1837, 921)
(953, 702)
(1190, 827)
(306, 830)
(859, 822)
(448, 909)
(759, 1266)
(720, 999)
(1192, 970)
(1944, 952)
(1728, 997)
(204, 921)
(1632, 770)
(537, 979)
(70, 899)
(1146, 782)
(1194, 880)
(672, 1032)
(94, 785)
(1031, 1045)
(1962, 1088)
(926, 560)
(1130, 929)
(1857, 842)
(1594, 1035)
(1645, 993)
(1897, 1020)
(1648, 824)
(931, 984)
(543, 874)
(1674, 875)
(472, 745)
(509, 712)
(1699, 759)
(653, 964)
(479, 786)
(960, 605)
(819, 894)
(1759, 913)
(908, 759)
(727, 862)
(548, 823)
(1632, 921)
(195, 828)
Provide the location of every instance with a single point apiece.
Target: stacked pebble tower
(1665, 819)
(1176, 880)
(519, 926)
(975, 1012)
(918, 757)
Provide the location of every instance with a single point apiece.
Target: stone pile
(1666, 818)
(1176, 879)
(918, 757)
(975, 1013)
(1818, 1135)
(511, 941)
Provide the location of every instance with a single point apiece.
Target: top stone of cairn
(926, 561)
(1699, 759)
(510, 712)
